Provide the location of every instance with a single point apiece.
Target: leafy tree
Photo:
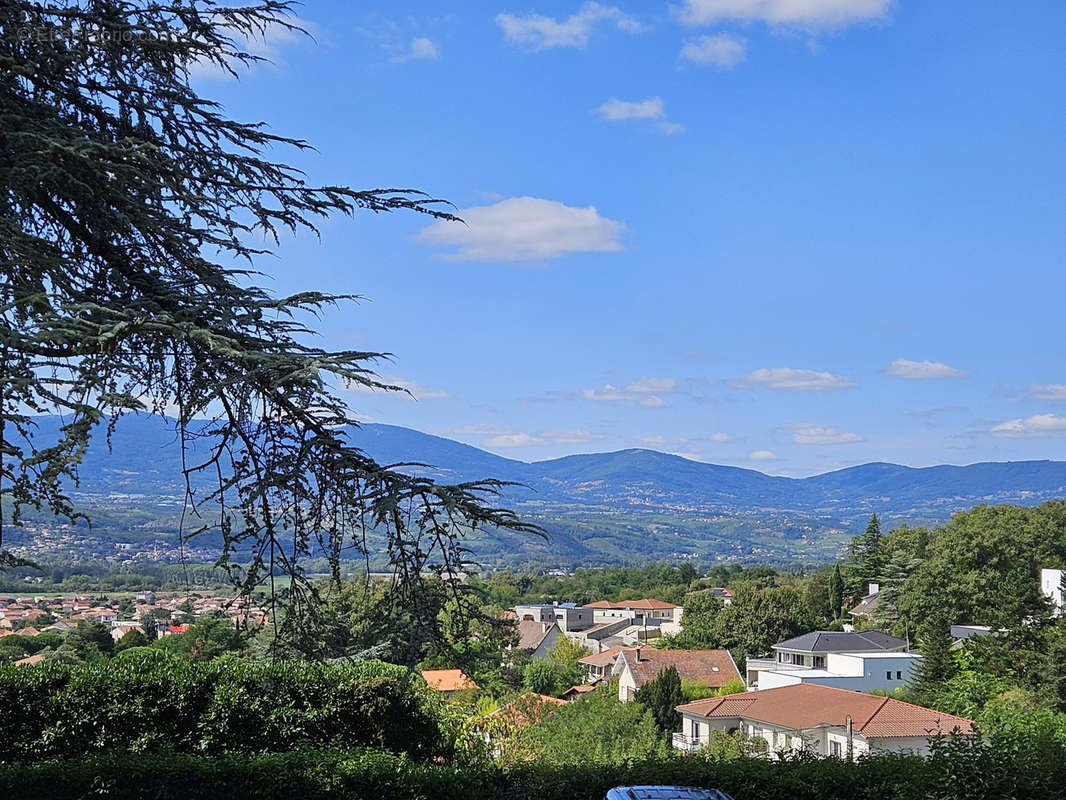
(698, 622)
(132, 638)
(661, 697)
(210, 636)
(596, 730)
(759, 618)
(545, 676)
(134, 214)
(90, 640)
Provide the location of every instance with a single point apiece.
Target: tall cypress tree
(938, 662)
(836, 591)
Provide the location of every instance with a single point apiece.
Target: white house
(819, 719)
(860, 672)
(649, 611)
(811, 650)
(1051, 581)
(538, 639)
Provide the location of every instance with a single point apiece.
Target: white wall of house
(860, 672)
(1051, 585)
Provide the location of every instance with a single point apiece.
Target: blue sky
(792, 235)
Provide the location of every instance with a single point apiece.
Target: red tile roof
(807, 705)
(604, 659)
(714, 668)
(646, 604)
(447, 680)
(527, 709)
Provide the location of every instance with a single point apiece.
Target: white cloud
(761, 455)
(419, 391)
(720, 50)
(422, 49)
(821, 434)
(922, 370)
(267, 46)
(643, 391)
(615, 109)
(811, 14)
(721, 437)
(650, 108)
(650, 385)
(1036, 426)
(538, 32)
(1048, 391)
(525, 229)
(796, 379)
(538, 439)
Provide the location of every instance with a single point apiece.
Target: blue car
(666, 793)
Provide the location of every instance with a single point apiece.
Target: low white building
(859, 672)
(810, 651)
(1051, 585)
(818, 719)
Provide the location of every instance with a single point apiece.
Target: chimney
(874, 588)
(636, 654)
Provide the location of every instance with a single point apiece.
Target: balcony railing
(683, 742)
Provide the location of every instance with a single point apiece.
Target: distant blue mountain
(613, 507)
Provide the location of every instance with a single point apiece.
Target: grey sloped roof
(840, 642)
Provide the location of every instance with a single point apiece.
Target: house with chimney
(817, 719)
(634, 667)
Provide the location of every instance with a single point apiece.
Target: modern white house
(568, 616)
(819, 719)
(652, 612)
(1051, 581)
(859, 672)
(811, 651)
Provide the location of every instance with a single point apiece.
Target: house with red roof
(636, 666)
(819, 719)
(448, 681)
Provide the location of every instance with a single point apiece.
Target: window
(888, 675)
(819, 661)
(899, 675)
(834, 748)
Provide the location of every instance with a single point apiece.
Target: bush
(146, 702)
(969, 768)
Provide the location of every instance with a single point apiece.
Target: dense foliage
(145, 701)
(975, 770)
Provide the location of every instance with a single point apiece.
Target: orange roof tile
(447, 680)
(808, 705)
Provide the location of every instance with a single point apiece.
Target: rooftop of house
(805, 706)
(604, 659)
(645, 604)
(841, 642)
(866, 606)
(447, 680)
(527, 709)
(531, 633)
(713, 668)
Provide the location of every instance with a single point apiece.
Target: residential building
(868, 605)
(537, 639)
(819, 719)
(1051, 584)
(599, 666)
(448, 681)
(636, 666)
(860, 672)
(810, 650)
(568, 616)
(645, 611)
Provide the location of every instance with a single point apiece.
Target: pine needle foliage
(133, 212)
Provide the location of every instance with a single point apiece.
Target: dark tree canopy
(132, 215)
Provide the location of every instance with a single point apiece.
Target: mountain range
(623, 506)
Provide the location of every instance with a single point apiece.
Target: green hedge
(153, 704)
(958, 770)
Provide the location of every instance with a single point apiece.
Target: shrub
(148, 702)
